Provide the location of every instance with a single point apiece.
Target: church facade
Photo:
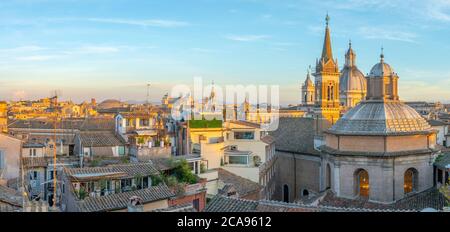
(380, 150)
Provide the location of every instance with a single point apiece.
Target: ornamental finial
(327, 19)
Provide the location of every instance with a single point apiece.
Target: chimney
(135, 205)
(3, 182)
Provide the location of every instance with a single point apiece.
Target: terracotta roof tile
(120, 200)
(242, 186)
(130, 170)
(100, 139)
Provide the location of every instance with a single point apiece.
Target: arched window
(328, 177)
(286, 193)
(305, 192)
(328, 93)
(362, 183)
(332, 92)
(410, 180)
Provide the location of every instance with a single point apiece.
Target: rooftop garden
(205, 123)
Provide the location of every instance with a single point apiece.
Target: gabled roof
(120, 200)
(295, 135)
(100, 139)
(243, 186)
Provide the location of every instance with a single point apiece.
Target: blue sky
(112, 49)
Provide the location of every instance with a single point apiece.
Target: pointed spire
(327, 53)
(350, 56)
(382, 55)
(308, 81)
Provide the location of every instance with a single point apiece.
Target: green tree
(183, 173)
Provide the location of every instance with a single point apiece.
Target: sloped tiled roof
(227, 204)
(241, 185)
(75, 124)
(430, 198)
(295, 135)
(178, 208)
(10, 197)
(130, 170)
(100, 139)
(120, 200)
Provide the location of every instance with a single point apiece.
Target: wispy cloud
(247, 38)
(37, 58)
(439, 10)
(362, 4)
(142, 22)
(387, 34)
(93, 50)
(29, 48)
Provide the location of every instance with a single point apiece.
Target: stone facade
(386, 175)
(298, 172)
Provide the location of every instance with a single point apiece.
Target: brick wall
(201, 196)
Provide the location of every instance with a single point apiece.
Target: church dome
(110, 103)
(381, 118)
(352, 80)
(381, 69)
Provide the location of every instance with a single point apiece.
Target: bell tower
(3, 117)
(308, 89)
(327, 104)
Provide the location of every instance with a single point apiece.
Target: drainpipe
(393, 179)
(295, 176)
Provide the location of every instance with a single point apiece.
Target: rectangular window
(35, 175)
(238, 159)
(34, 152)
(121, 150)
(196, 204)
(244, 135)
(144, 122)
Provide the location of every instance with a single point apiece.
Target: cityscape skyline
(105, 53)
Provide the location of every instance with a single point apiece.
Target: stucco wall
(298, 172)
(11, 149)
